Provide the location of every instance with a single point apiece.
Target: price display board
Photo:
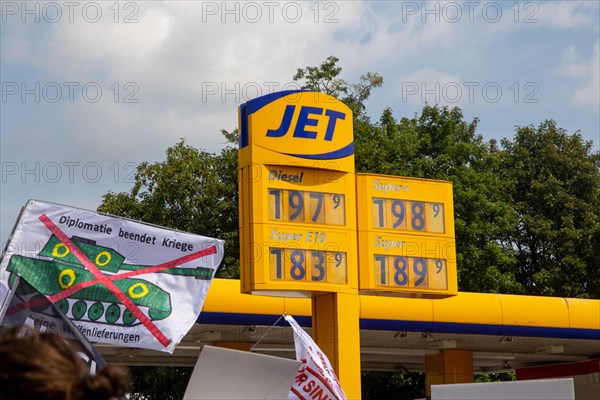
(406, 235)
(297, 195)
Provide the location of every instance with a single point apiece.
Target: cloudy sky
(91, 89)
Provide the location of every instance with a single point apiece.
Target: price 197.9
(307, 265)
(410, 272)
(407, 215)
(307, 207)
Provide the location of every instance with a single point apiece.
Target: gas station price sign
(297, 195)
(406, 235)
(307, 207)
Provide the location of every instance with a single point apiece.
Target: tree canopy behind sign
(527, 209)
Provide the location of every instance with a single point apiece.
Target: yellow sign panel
(297, 195)
(304, 242)
(406, 235)
(404, 263)
(308, 129)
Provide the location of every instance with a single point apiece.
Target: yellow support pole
(336, 330)
(449, 366)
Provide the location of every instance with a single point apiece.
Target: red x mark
(107, 280)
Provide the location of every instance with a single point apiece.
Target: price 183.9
(410, 272)
(407, 215)
(307, 265)
(307, 207)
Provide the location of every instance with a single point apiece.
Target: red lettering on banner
(300, 378)
(321, 378)
(297, 393)
(317, 394)
(309, 386)
(303, 365)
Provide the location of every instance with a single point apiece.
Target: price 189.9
(410, 272)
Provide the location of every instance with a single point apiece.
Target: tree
(553, 180)
(193, 191)
(159, 383)
(377, 385)
(527, 214)
(325, 78)
(196, 191)
(439, 144)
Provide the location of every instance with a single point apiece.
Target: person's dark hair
(42, 366)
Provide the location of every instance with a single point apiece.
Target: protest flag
(121, 282)
(315, 377)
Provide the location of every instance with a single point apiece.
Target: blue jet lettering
(304, 120)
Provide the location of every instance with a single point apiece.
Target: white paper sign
(121, 282)
(315, 377)
(226, 374)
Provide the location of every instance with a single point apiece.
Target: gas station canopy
(504, 332)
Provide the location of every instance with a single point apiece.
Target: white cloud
(430, 85)
(585, 73)
(565, 14)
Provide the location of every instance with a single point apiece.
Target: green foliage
(501, 377)
(527, 216)
(439, 144)
(527, 213)
(392, 385)
(553, 179)
(159, 383)
(325, 78)
(193, 191)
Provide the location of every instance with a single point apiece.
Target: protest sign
(121, 282)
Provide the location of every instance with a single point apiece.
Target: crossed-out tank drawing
(60, 269)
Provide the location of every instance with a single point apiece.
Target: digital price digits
(407, 215)
(307, 207)
(417, 272)
(307, 265)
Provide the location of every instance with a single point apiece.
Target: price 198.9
(307, 207)
(307, 265)
(404, 215)
(410, 272)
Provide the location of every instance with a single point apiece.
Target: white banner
(315, 377)
(121, 282)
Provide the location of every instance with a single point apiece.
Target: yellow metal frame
(406, 237)
(448, 367)
(336, 331)
(471, 309)
(336, 319)
(296, 168)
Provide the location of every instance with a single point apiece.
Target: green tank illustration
(60, 269)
